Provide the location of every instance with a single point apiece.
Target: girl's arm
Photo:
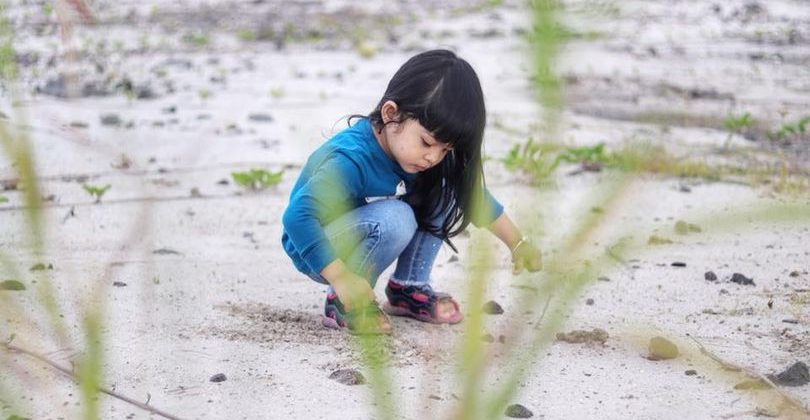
(524, 253)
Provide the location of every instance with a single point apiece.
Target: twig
(71, 375)
(542, 314)
(754, 375)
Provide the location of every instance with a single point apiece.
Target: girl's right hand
(353, 290)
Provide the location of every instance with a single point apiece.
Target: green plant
(736, 124)
(3, 199)
(257, 179)
(277, 92)
(96, 191)
(246, 35)
(791, 131)
(204, 94)
(199, 40)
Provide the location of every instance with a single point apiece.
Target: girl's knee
(400, 221)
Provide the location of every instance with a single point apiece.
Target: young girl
(393, 186)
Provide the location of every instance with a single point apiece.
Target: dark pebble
(13, 285)
(678, 264)
(453, 258)
(260, 117)
(589, 302)
(690, 372)
(79, 124)
(119, 284)
(796, 375)
(492, 308)
(517, 411)
(219, 377)
(742, 280)
(348, 377)
(794, 274)
(710, 276)
(111, 120)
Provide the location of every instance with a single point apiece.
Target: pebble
(589, 302)
(795, 375)
(219, 377)
(678, 264)
(517, 411)
(111, 120)
(710, 276)
(260, 117)
(348, 377)
(662, 349)
(742, 280)
(690, 372)
(492, 308)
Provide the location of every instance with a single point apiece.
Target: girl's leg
(369, 238)
(416, 261)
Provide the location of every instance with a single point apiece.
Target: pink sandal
(419, 302)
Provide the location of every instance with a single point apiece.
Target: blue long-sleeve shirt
(346, 172)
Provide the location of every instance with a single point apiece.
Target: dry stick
(69, 373)
(730, 366)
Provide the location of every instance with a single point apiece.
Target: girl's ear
(389, 111)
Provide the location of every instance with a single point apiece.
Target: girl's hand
(526, 256)
(353, 291)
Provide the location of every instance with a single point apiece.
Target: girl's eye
(425, 143)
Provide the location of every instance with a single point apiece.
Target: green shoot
(257, 179)
(96, 191)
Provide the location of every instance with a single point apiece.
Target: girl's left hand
(526, 256)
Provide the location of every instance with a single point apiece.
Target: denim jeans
(369, 238)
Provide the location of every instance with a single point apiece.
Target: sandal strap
(398, 293)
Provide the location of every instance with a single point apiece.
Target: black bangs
(454, 111)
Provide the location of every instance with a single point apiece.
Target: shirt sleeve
(329, 193)
(491, 209)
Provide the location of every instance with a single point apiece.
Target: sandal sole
(397, 311)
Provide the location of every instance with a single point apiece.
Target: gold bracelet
(520, 242)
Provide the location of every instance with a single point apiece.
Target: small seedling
(246, 35)
(257, 179)
(790, 131)
(736, 124)
(204, 94)
(3, 199)
(95, 191)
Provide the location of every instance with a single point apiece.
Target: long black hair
(442, 92)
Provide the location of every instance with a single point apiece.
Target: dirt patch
(268, 325)
(594, 336)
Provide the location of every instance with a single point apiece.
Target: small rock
(195, 192)
(453, 258)
(492, 308)
(742, 280)
(223, 182)
(603, 278)
(41, 267)
(690, 372)
(589, 302)
(684, 188)
(796, 375)
(219, 377)
(662, 349)
(794, 274)
(502, 339)
(79, 124)
(119, 284)
(111, 120)
(348, 377)
(12, 285)
(517, 411)
(710, 276)
(678, 264)
(260, 117)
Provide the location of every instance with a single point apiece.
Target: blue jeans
(369, 238)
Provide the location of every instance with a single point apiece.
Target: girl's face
(410, 144)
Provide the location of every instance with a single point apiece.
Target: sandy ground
(203, 286)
